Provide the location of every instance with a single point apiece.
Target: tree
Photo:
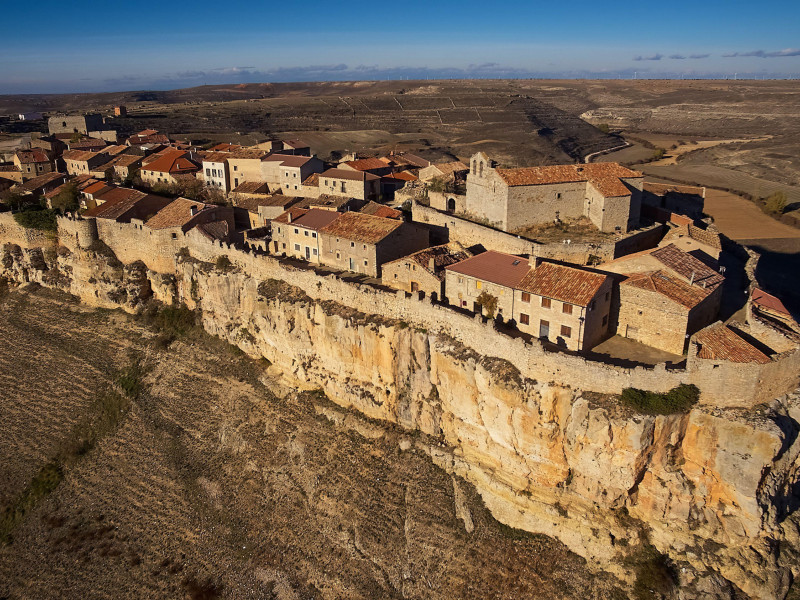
(66, 199)
(76, 137)
(775, 204)
(44, 220)
(658, 154)
(15, 200)
(488, 303)
(109, 174)
(190, 187)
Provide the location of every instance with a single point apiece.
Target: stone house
(86, 144)
(355, 184)
(183, 214)
(563, 304)
(75, 124)
(245, 165)
(83, 162)
(703, 244)
(33, 162)
(608, 194)
(41, 185)
(381, 210)
(363, 243)
(215, 170)
(147, 138)
(125, 204)
(295, 233)
(89, 194)
(448, 171)
(424, 270)
(287, 172)
(262, 208)
(395, 181)
(125, 165)
(665, 295)
(167, 168)
(493, 274)
(50, 144)
(723, 343)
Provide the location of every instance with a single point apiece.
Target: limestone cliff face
(714, 489)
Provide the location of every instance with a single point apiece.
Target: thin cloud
(699, 55)
(653, 57)
(677, 56)
(764, 54)
(691, 56)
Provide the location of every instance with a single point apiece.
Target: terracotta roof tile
(294, 212)
(402, 175)
(96, 187)
(687, 266)
(287, 160)
(34, 155)
(443, 256)
(225, 147)
(563, 283)
(177, 213)
(312, 180)
(316, 218)
(381, 210)
(605, 177)
(348, 175)
(668, 285)
(362, 228)
(215, 230)
(79, 155)
(172, 162)
(762, 298)
(39, 182)
(450, 167)
(720, 342)
(366, 164)
(251, 187)
(496, 267)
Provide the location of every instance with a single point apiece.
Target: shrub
(223, 263)
(488, 302)
(66, 199)
(45, 481)
(678, 400)
(775, 204)
(603, 127)
(658, 154)
(43, 220)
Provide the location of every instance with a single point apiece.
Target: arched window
(474, 167)
(451, 205)
(481, 169)
(63, 123)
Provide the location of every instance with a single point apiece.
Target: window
(352, 244)
(208, 172)
(605, 320)
(294, 174)
(591, 305)
(524, 319)
(296, 231)
(460, 280)
(174, 236)
(566, 308)
(545, 302)
(526, 297)
(287, 186)
(558, 196)
(365, 246)
(313, 234)
(338, 256)
(235, 167)
(297, 247)
(395, 275)
(366, 262)
(566, 331)
(478, 285)
(314, 251)
(279, 229)
(306, 232)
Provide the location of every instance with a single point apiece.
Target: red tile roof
(172, 162)
(366, 164)
(380, 210)
(450, 167)
(79, 155)
(251, 187)
(359, 227)
(402, 175)
(348, 175)
(33, 155)
(687, 266)
(287, 160)
(720, 342)
(225, 147)
(312, 180)
(177, 213)
(605, 177)
(496, 267)
(563, 283)
(215, 230)
(443, 256)
(668, 285)
(294, 213)
(96, 187)
(763, 299)
(316, 218)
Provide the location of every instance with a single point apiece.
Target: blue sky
(103, 46)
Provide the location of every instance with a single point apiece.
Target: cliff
(715, 489)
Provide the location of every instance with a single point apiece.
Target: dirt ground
(214, 486)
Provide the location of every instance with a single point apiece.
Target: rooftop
(381, 210)
(362, 228)
(563, 283)
(704, 236)
(34, 155)
(366, 164)
(172, 162)
(605, 177)
(315, 218)
(79, 155)
(349, 175)
(177, 213)
(668, 285)
(450, 167)
(496, 267)
(251, 187)
(720, 342)
(116, 203)
(768, 301)
(443, 256)
(38, 182)
(287, 160)
(687, 266)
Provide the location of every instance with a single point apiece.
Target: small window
(279, 229)
(338, 256)
(314, 251)
(478, 285)
(366, 262)
(545, 302)
(365, 246)
(558, 196)
(591, 305)
(296, 231)
(566, 308)
(297, 247)
(352, 244)
(305, 232)
(526, 297)
(174, 236)
(566, 331)
(313, 234)
(236, 168)
(460, 280)
(524, 319)
(395, 275)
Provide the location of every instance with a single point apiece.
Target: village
(585, 258)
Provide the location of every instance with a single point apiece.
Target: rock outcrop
(715, 489)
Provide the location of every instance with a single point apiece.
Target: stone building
(608, 194)
(354, 184)
(448, 171)
(703, 244)
(215, 170)
(182, 214)
(245, 165)
(125, 165)
(485, 276)
(566, 305)
(423, 271)
(363, 243)
(167, 168)
(376, 166)
(287, 172)
(32, 163)
(75, 124)
(295, 233)
(665, 296)
(82, 162)
(120, 111)
(124, 204)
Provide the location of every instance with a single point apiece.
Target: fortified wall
(722, 383)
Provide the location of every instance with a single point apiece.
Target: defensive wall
(12, 233)
(450, 226)
(722, 383)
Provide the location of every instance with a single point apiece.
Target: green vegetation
(658, 154)
(775, 204)
(41, 219)
(603, 127)
(14, 200)
(66, 199)
(678, 400)
(175, 320)
(223, 263)
(44, 482)
(655, 575)
(488, 302)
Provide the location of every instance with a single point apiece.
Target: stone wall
(11, 232)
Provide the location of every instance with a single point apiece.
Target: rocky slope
(714, 489)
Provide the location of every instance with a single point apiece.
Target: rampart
(469, 233)
(722, 383)
(12, 233)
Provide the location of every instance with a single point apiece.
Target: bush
(678, 400)
(658, 154)
(603, 127)
(223, 263)
(66, 199)
(43, 220)
(488, 302)
(775, 204)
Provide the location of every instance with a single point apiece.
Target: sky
(78, 46)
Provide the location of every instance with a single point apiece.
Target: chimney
(432, 264)
(289, 216)
(691, 280)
